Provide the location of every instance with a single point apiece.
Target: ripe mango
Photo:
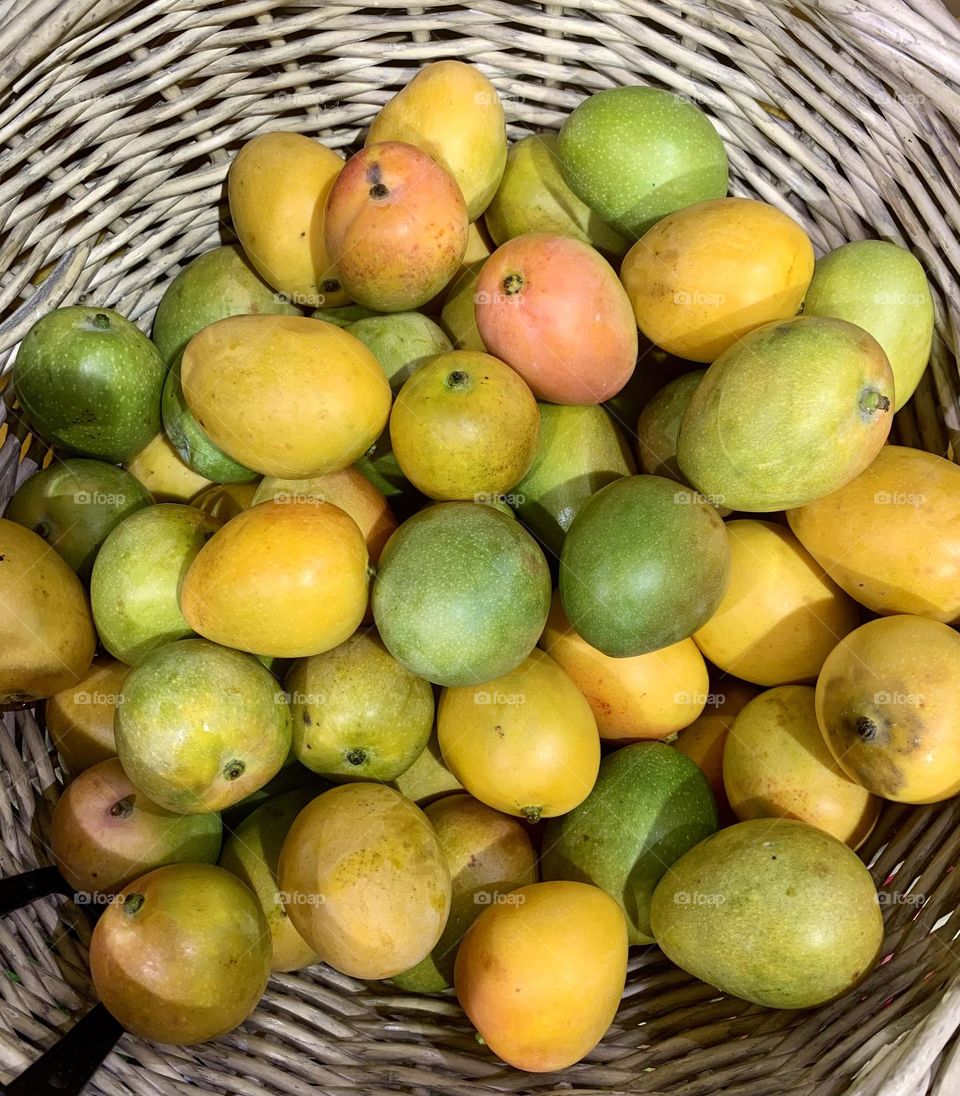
(458, 313)
(224, 501)
(160, 470)
(540, 974)
(80, 718)
(396, 227)
(453, 112)
(259, 385)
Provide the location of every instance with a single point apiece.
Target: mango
(647, 696)
(791, 412)
(488, 855)
(364, 880)
(428, 778)
(461, 593)
(80, 718)
(47, 639)
(104, 833)
(224, 501)
(524, 743)
(552, 307)
(201, 726)
(396, 227)
(655, 369)
(258, 386)
(781, 615)
(888, 704)
(658, 427)
(401, 343)
(636, 154)
(883, 289)
(778, 913)
(252, 854)
(89, 381)
(73, 504)
(183, 955)
(580, 450)
(137, 576)
(533, 197)
(160, 470)
(344, 315)
(649, 806)
(644, 565)
(278, 187)
(214, 285)
(540, 975)
(281, 579)
(777, 765)
(706, 275)
(464, 426)
(357, 713)
(458, 314)
(451, 111)
(891, 536)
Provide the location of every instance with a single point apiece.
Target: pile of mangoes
(495, 560)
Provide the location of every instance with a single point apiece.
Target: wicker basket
(118, 122)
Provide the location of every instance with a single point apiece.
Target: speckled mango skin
(137, 574)
(278, 188)
(891, 537)
(777, 765)
(887, 707)
(201, 726)
(704, 276)
(89, 381)
(189, 964)
(46, 632)
(645, 564)
(553, 308)
(217, 284)
(461, 594)
(883, 289)
(365, 881)
(635, 154)
(285, 395)
(453, 112)
(794, 410)
(464, 425)
(396, 227)
(541, 976)
(401, 342)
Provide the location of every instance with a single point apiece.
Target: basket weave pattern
(118, 121)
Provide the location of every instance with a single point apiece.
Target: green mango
(89, 381)
(644, 565)
(344, 315)
(401, 342)
(775, 912)
(883, 289)
(213, 286)
(74, 504)
(658, 426)
(649, 806)
(580, 451)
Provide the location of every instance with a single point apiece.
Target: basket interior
(118, 123)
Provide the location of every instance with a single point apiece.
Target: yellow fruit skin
(285, 395)
(891, 537)
(225, 500)
(540, 973)
(428, 778)
(464, 425)
(159, 468)
(277, 189)
(457, 315)
(777, 765)
(46, 631)
(525, 744)
(887, 704)
(453, 112)
(280, 579)
(781, 616)
(364, 880)
(80, 719)
(705, 739)
(647, 697)
(707, 274)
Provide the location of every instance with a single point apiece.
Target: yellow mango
(285, 395)
(453, 112)
(159, 468)
(781, 615)
(891, 537)
(80, 718)
(225, 500)
(277, 188)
